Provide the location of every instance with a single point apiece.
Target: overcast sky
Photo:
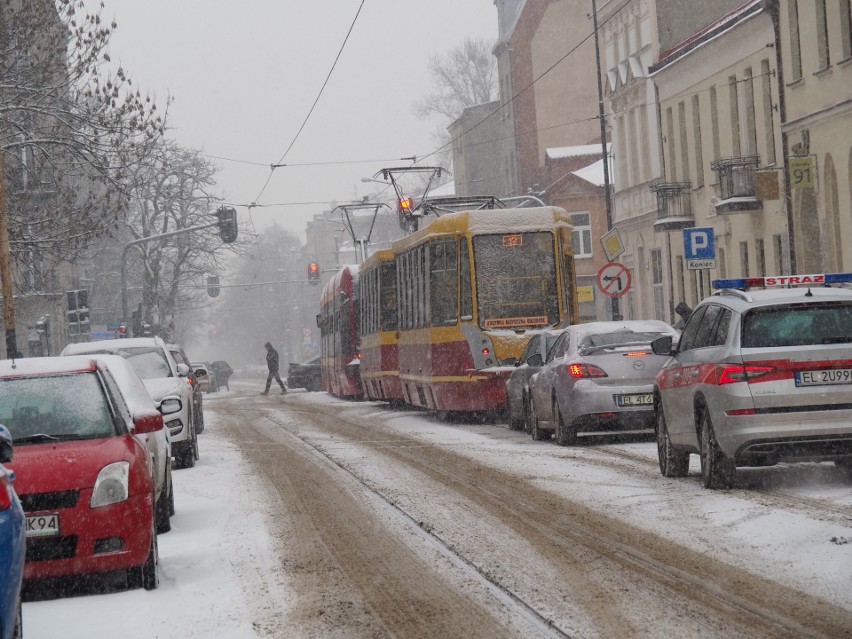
(243, 75)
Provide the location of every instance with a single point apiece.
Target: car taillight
(189, 380)
(733, 373)
(5, 492)
(587, 371)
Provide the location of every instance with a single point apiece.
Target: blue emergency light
(817, 279)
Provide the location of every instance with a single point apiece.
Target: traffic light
(227, 224)
(213, 285)
(313, 273)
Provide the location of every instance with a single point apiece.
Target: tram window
(443, 266)
(387, 293)
(516, 280)
(466, 294)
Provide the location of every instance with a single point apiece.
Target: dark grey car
(517, 386)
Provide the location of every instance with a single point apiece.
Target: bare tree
(70, 123)
(464, 77)
(172, 191)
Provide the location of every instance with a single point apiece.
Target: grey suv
(758, 377)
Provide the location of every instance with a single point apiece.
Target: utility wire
(316, 101)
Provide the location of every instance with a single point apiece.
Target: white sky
(244, 75)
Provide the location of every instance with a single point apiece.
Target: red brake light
(636, 354)
(733, 373)
(486, 351)
(586, 371)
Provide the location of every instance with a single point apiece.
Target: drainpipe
(772, 7)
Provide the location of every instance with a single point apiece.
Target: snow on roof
(45, 366)
(559, 152)
(445, 190)
(594, 173)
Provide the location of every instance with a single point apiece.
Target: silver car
(598, 378)
(757, 378)
(517, 386)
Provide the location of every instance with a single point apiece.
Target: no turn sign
(614, 279)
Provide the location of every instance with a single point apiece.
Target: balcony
(674, 205)
(738, 193)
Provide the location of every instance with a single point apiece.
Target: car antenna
(809, 293)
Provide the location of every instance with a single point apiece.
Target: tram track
(660, 563)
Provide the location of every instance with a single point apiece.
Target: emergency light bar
(818, 279)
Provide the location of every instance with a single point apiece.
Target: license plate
(42, 525)
(638, 399)
(824, 377)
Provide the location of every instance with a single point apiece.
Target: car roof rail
(735, 292)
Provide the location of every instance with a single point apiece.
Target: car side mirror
(535, 360)
(170, 406)
(183, 370)
(200, 372)
(663, 345)
(5, 445)
(147, 422)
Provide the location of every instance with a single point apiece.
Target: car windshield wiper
(44, 437)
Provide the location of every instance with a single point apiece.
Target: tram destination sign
(514, 322)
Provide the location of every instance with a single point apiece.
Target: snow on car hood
(160, 387)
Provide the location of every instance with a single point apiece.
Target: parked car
(177, 352)
(223, 371)
(12, 545)
(517, 386)
(158, 443)
(758, 377)
(599, 377)
(306, 375)
(205, 375)
(83, 477)
(163, 377)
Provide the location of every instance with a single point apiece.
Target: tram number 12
(514, 240)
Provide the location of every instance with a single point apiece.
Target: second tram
(338, 323)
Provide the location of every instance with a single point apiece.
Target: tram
(378, 328)
(472, 287)
(338, 324)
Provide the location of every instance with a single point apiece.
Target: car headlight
(112, 485)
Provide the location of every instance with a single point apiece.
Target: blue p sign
(698, 243)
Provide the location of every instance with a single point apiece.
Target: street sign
(802, 171)
(614, 279)
(699, 248)
(612, 245)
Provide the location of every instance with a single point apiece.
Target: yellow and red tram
(379, 333)
(338, 323)
(471, 288)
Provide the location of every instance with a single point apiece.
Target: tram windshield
(516, 280)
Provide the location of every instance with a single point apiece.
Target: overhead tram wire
(313, 106)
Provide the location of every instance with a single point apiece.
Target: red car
(83, 477)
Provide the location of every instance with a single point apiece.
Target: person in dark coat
(272, 365)
(683, 310)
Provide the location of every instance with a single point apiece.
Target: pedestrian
(684, 311)
(272, 365)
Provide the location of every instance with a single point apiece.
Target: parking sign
(699, 248)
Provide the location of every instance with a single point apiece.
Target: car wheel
(717, 471)
(147, 575)
(194, 447)
(171, 496)
(538, 434)
(565, 435)
(199, 422)
(515, 423)
(673, 462)
(527, 414)
(161, 511)
(18, 632)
